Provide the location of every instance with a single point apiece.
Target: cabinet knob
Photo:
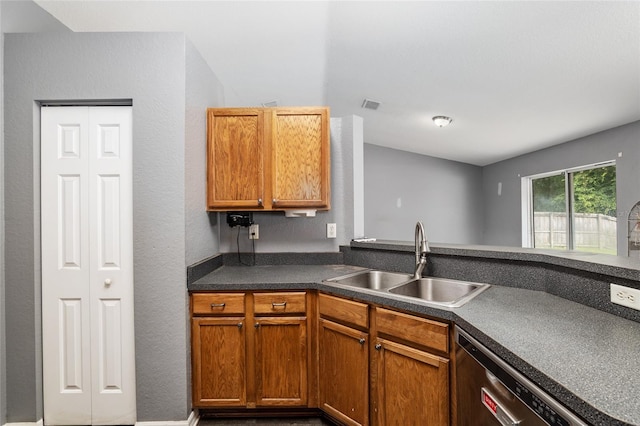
(361, 340)
(256, 325)
(274, 201)
(378, 346)
(107, 282)
(239, 325)
(260, 202)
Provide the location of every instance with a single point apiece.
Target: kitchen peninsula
(546, 314)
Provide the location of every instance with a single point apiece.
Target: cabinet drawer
(345, 311)
(217, 303)
(279, 303)
(421, 331)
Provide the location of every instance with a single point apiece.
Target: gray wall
(502, 213)
(3, 380)
(301, 234)
(203, 90)
(445, 195)
(150, 69)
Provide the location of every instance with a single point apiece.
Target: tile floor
(293, 421)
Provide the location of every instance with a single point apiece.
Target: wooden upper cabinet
(235, 158)
(300, 158)
(268, 158)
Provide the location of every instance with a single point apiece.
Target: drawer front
(421, 331)
(280, 303)
(217, 303)
(344, 311)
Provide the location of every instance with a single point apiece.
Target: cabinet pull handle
(217, 305)
(239, 325)
(378, 346)
(275, 304)
(361, 340)
(260, 202)
(256, 325)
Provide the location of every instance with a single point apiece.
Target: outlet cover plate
(254, 232)
(625, 296)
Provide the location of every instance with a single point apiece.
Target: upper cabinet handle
(260, 202)
(274, 201)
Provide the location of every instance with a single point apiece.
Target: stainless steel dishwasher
(490, 392)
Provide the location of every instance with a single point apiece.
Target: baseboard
(38, 423)
(193, 419)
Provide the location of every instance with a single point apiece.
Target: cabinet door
(344, 373)
(300, 157)
(281, 361)
(411, 386)
(218, 362)
(235, 155)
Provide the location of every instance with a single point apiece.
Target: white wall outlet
(625, 296)
(331, 230)
(254, 232)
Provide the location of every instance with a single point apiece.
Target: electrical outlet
(625, 296)
(331, 230)
(254, 232)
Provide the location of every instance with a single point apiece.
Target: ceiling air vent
(270, 104)
(369, 104)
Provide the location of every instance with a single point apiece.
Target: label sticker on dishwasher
(503, 416)
(489, 402)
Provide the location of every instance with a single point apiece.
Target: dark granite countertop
(587, 359)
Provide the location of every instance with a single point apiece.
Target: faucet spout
(422, 248)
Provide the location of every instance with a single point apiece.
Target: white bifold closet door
(87, 266)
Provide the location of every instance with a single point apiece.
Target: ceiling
(515, 76)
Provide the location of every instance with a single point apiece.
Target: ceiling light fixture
(441, 120)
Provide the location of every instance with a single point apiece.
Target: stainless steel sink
(372, 279)
(436, 291)
(440, 291)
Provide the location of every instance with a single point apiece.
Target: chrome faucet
(422, 248)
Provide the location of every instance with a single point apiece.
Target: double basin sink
(436, 291)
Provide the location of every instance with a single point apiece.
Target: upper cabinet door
(300, 158)
(235, 152)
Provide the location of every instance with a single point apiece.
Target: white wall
(402, 188)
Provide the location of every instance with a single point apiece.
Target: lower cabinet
(219, 376)
(218, 349)
(360, 364)
(249, 349)
(343, 351)
(410, 370)
(281, 361)
(412, 386)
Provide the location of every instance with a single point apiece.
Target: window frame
(526, 182)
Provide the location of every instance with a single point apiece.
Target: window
(572, 209)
